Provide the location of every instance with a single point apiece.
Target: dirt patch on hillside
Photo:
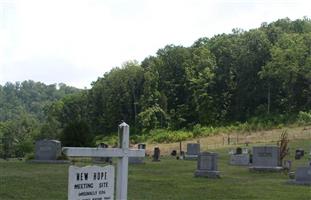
(233, 139)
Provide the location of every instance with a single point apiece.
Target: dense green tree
(290, 71)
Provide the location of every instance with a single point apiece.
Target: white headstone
(91, 182)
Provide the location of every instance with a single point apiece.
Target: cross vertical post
(122, 153)
(122, 164)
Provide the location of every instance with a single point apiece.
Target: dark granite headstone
(299, 153)
(207, 165)
(156, 154)
(238, 150)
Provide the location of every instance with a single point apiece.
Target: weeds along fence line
(236, 139)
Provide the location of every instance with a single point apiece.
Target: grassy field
(168, 179)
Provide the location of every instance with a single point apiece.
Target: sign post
(122, 153)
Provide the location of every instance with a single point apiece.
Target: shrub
(304, 117)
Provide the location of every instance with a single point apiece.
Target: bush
(163, 136)
(304, 117)
(77, 134)
(197, 130)
(62, 157)
(30, 156)
(110, 140)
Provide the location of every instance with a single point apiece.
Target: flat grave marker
(240, 157)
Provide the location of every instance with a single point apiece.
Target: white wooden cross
(122, 153)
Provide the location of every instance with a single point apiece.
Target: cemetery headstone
(240, 157)
(122, 153)
(138, 160)
(48, 151)
(193, 149)
(91, 182)
(245, 151)
(102, 159)
(141, 146)
(174, 153)
(266, 158)
(231, 152)
(238, 150)
(287, 164)
(302, 176)
(156, 154)
(299, 153)
(182, 155)
(207, 165)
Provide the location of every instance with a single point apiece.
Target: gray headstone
(47, 150)
(239, 159)
(302, 176)
(138, 160)
(102, 159)
(193, 148)
(266, 158)
(207, 165)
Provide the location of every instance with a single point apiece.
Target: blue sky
(77, 41)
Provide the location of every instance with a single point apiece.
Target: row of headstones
(265, 158)
(50, 151)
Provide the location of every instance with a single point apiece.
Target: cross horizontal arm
(102, 152)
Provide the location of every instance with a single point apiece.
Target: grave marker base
(239, 159)
(190, 157)
(136, 160)
(294, 182)
(49, 161)
(265, 169)
(206, 173)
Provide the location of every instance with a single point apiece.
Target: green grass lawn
(168, 179)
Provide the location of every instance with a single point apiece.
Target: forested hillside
(24, 114)
(261, 75)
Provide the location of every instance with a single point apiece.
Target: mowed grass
(167, 179)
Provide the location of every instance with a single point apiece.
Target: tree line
(235, 77)
(24, 115)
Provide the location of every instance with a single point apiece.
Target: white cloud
(75, 41)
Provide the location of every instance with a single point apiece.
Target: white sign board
(91, 183)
